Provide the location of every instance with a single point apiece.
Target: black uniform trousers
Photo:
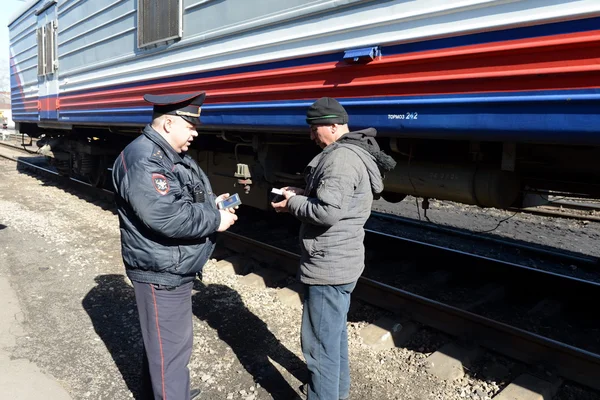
(166, 324)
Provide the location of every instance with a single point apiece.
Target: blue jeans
(325, 340)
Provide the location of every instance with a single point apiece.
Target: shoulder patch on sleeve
(161, 184)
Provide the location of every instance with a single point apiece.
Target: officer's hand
(227, 219)
(222, 197)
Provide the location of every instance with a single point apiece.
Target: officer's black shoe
(194, 393)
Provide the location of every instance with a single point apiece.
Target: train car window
(159, 21)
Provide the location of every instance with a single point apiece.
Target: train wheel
(393, 197)
(98, 176)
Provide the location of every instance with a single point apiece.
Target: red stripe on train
(558, 62)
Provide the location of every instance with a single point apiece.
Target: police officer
(168, 218)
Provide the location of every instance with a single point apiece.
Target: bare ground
(61, 254)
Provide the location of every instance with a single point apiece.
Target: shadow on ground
(112, 310)
(249, 338)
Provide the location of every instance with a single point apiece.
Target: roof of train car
(26, 7)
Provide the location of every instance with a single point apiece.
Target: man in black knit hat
(341, 182)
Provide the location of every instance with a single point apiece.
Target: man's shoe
(304, 390)
(194, 393)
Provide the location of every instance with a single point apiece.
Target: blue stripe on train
(477, 38)
(557, 119)
(521, 96)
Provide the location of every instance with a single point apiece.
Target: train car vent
(362, 55)
(46, 49)
(41, 51)
(159, 22)
(50, 47)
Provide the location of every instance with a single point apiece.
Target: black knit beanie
(325, 111)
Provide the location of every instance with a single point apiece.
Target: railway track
(565, 209)
(557, 211)
(477, 239)
(30, 162)
(20, 145)
(490, 304)
(12, 150)
(487, 303)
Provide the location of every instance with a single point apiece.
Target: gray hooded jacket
(340, 183)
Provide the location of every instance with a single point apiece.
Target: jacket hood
(363, 143)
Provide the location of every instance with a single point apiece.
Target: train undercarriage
(487, 174)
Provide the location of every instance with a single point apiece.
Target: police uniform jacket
(167, 212)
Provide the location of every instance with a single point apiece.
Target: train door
(47, 25)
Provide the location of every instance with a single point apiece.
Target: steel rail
(559, 214)
(30, 165)
(477, 236)
(106, 194)
(463, 258)
(18, 148)
(575, 205)
(570, 362)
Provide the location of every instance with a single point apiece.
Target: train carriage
(480, 101)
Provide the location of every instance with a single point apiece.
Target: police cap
(186, 106)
